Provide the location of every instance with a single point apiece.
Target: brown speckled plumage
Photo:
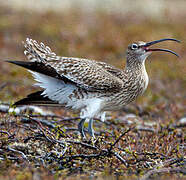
(92, 87)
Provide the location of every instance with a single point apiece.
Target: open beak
(147, 49)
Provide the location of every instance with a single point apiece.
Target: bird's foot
(81, 128)
(90, 129)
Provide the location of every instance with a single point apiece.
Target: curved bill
(158, 49)
(161, 40)
(165, 50)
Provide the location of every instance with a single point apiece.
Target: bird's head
(139, 51)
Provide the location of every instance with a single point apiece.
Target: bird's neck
(136, 71)
(135, 66)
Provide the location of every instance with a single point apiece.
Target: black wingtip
(35, 98)
(19, 63)
(13, 62)
(21, 102)
(30, 99)
(33, 66)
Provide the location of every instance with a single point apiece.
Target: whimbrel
(87, 85)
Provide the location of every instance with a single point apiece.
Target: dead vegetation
(53, 143)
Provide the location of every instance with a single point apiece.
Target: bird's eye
(134, 46)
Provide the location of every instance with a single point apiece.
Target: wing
(84, 73)
(113, 70)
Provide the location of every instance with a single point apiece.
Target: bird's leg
(81, 128)
(90, 128)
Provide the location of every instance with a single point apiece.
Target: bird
(90, 86)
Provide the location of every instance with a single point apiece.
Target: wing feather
(85, 73)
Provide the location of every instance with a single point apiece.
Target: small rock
(4, 108)
(129, 118)
(31, 109)
(183, 120)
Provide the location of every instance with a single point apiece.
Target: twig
(84, 156)
(42, 121)
(169, 162)
(163, 170)
(5, 132)
(147, 129)
(150, 154)
(121, 159)
(117, 140)
(83, 144)
(19, 152)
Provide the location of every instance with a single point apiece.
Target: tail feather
(37, 52)
(40, 68)
(37, 67)
(36, 98)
